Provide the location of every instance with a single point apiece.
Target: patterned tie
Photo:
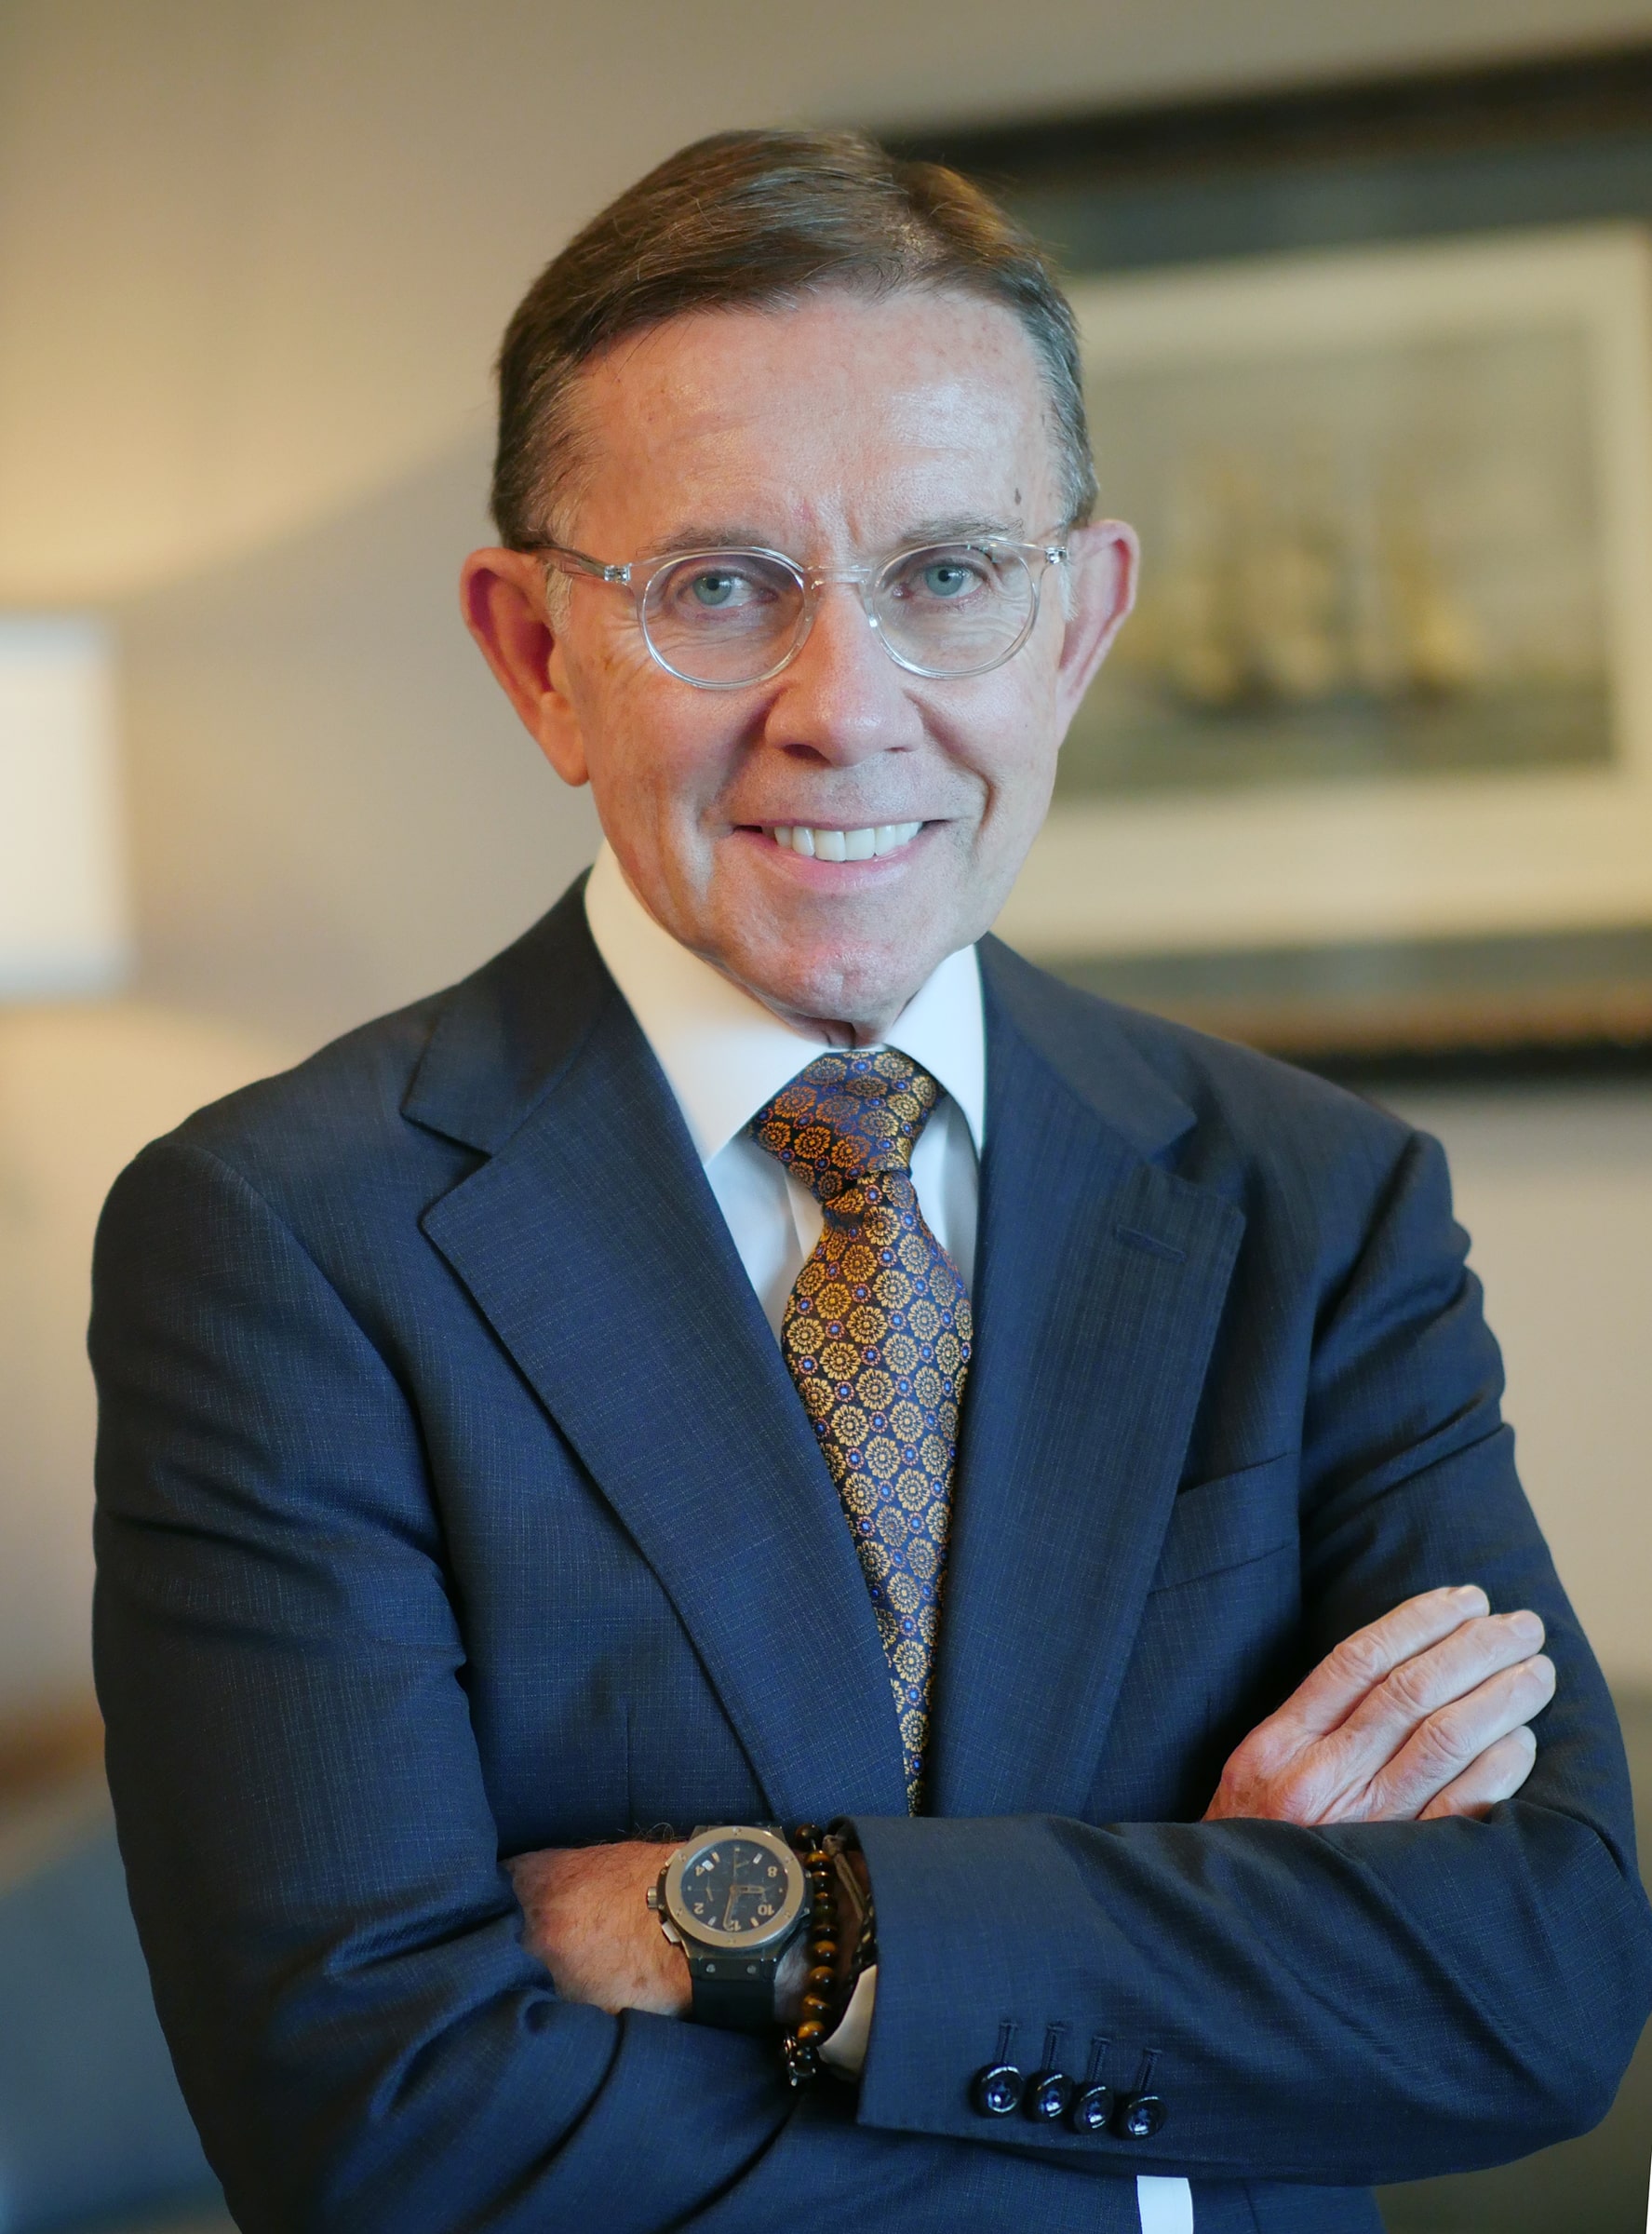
(877, 1333)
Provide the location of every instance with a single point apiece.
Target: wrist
(841, 1947)
(732, 1902)
(791, 1984)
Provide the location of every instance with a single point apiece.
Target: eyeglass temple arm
(572, 561)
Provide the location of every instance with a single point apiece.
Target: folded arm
(1422, 1716)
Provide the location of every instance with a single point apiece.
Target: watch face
(735, 1887)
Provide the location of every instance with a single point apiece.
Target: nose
(842, 699)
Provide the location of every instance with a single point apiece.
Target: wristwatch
(735, 1898)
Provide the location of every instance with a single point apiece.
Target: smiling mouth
(866, 844)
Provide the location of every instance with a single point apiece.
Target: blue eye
(950, 574)
(713, 589)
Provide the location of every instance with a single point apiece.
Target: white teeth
(846, 845)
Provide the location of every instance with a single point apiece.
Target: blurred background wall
(253, 264)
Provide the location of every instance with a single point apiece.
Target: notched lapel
(593, 1246)
(1101, 1283)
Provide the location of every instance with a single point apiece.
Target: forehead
(843, 416)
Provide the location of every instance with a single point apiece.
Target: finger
(1448, 1741)
(1430, 1681)
(1347, 1673)
(1498, 1774)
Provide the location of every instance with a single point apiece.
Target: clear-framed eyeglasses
(723, 620)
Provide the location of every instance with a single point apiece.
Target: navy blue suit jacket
(454, 1501)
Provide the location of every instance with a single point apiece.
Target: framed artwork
(1368, 778)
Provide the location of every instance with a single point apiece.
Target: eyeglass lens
(734, 617)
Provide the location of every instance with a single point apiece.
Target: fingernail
(1526, 1628)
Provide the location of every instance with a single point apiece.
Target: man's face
(837, 432)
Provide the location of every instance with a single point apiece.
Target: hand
(589, 1923)
(1420, 1716)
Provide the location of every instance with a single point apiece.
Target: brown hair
(754, 219)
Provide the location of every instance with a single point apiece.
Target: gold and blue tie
(877, 1334)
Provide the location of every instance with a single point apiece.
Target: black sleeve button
(1048, 2094)
(996, 2090)
(1138, 2117)
(1091, 2111)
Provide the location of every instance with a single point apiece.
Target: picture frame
(1394, 879)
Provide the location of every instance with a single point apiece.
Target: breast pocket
(1218, 1638)
(1217, 1647)
(1229, 1522)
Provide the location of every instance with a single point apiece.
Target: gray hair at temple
(754, 219)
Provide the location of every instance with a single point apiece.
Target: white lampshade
(63, 922)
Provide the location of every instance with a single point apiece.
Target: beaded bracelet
(838, 1906)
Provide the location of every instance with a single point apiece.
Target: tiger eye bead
(816, 2005)
(810, 2029)
(823, 1975)
(823, 1950)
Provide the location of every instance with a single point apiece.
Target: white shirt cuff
(845, 2049)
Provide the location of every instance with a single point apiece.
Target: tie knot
(847, 1115)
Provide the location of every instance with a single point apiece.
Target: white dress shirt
(724, 1056)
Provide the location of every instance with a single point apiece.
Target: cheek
(658, 755)
(1015, 752)
(655, 754)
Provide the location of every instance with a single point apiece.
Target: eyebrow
(737, 535)
(966, 527)
(715, 536)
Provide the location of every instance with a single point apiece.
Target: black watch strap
(726, 1994)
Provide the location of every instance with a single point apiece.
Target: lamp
(63, 918)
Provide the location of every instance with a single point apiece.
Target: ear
(501, 596)
(1103, 559)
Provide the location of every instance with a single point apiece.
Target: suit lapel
(593, 1246)
(1099, 1285)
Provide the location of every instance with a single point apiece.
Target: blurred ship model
(1370, 565)
(1266, 604)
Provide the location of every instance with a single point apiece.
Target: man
(758, 1352)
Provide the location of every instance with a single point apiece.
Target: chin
(841, 985)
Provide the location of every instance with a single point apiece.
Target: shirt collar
(725, 1054)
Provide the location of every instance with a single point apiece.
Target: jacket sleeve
(1362, 2004)
(362, 2041)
